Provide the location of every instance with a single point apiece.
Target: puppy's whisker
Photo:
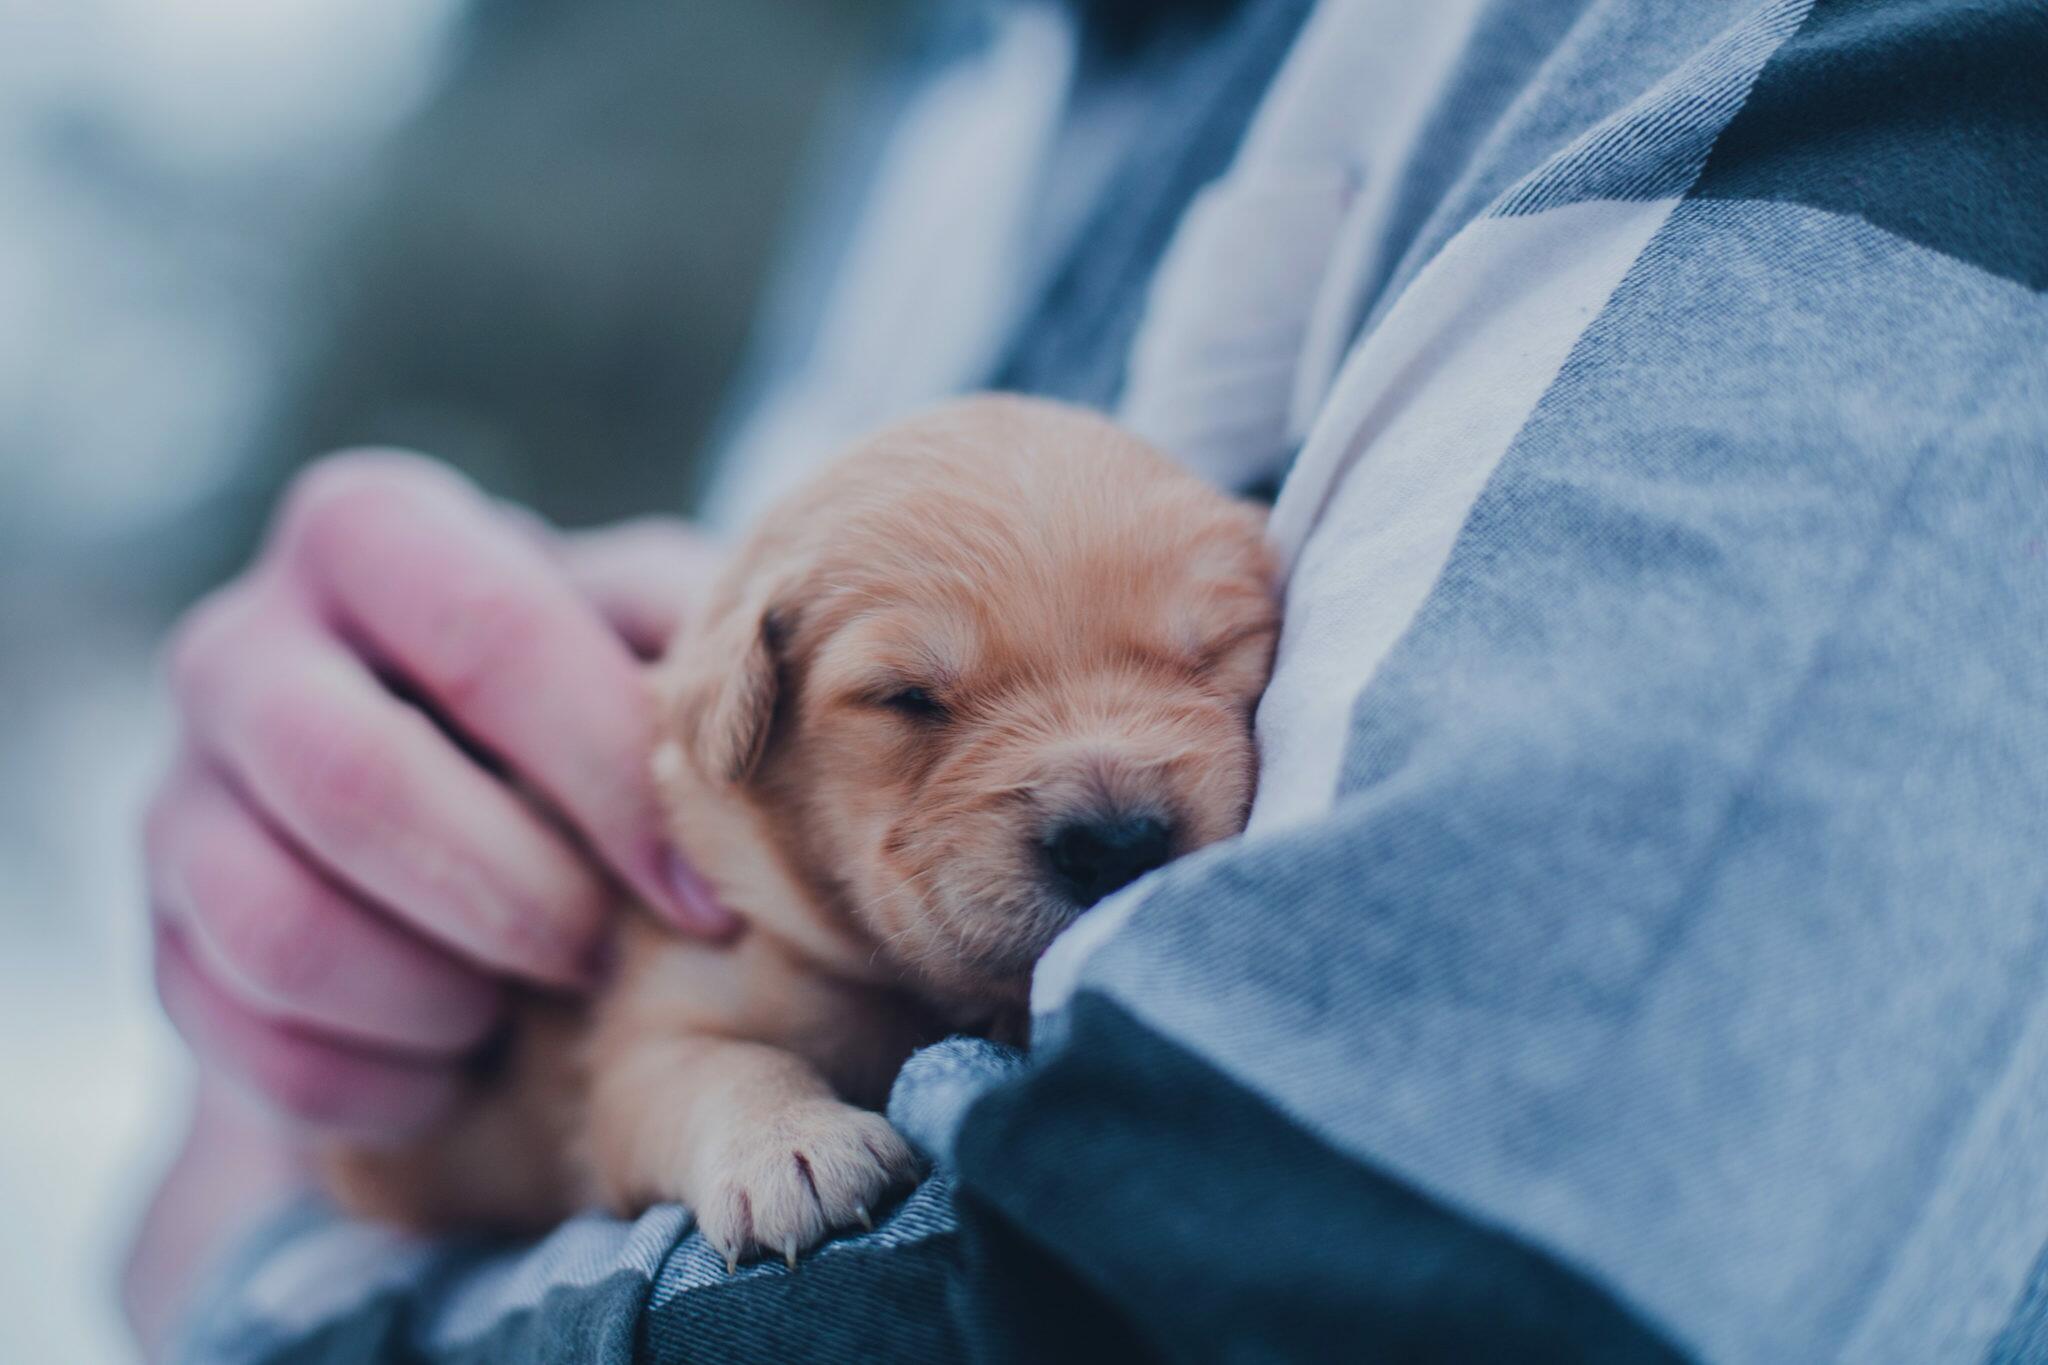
(907, 891)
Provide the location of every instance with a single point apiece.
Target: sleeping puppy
(992, 666)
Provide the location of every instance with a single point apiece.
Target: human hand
(341, 887)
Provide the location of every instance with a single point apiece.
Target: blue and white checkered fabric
(1640, 948)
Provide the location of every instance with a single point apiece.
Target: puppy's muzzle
(1087, 858)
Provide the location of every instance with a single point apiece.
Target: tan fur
(1096, 626)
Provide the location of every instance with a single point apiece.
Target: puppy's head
(996, 664)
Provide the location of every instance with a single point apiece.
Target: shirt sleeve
(313, 1286)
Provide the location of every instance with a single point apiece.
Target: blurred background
(526, 235)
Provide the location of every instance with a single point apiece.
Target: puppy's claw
(732, 1263)
(860, 1212)
(789, 1254)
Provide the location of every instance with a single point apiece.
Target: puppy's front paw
(785, 1185)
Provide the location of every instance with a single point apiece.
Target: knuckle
(270, 935)
(204, 637)
(346, 784)
(283, 964)
(352, 790)
(336, 495)
(346, 473)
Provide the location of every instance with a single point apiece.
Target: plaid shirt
(1640, 948)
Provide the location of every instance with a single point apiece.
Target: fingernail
(697, 905)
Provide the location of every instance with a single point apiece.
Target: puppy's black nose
(1092, 857)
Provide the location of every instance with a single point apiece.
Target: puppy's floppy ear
(722, 687)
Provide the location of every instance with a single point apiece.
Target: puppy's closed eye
(915, 703)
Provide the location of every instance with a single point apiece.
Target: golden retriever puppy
(989, 668)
